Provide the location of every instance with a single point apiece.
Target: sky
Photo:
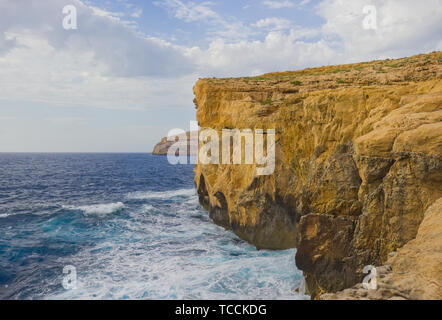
(123, 78)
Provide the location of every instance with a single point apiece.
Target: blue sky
(159, 18)
(124, 77)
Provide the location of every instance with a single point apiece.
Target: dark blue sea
(131, 226)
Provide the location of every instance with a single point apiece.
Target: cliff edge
(358, 163)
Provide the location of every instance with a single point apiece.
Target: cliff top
(381, 72)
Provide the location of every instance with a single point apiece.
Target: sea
(123, 226)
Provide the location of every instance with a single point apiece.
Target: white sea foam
(145, 195)
(147, 207)
(135, 273)
(178, 257)
(4, 215)
(98, 209)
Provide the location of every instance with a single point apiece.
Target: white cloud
(275, 4)
(189, 11)
(304, 2)
(137, 13)
(104, 63)
(5, 43)
(278, 52)
(38, 72)
(227, 28)
(278, 4)
(405, 27)
(113, 43)
(273, 23)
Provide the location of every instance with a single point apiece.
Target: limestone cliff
(413, 272)
(162, 147)
(358, 162)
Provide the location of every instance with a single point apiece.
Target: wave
(4, 215)
(148, 207)
(98, 209)
(144, 195)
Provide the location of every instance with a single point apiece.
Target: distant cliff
(163, 146)
(358, 163)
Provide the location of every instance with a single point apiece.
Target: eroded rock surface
(413, 272)
(358, 162)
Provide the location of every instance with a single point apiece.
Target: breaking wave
(145, 195)
(98, 209)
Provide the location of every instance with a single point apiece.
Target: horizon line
(75, 152)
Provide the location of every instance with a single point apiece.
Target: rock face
(163, 146)
(358, 162)
(413, 272)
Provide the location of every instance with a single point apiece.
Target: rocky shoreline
(358, 177)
